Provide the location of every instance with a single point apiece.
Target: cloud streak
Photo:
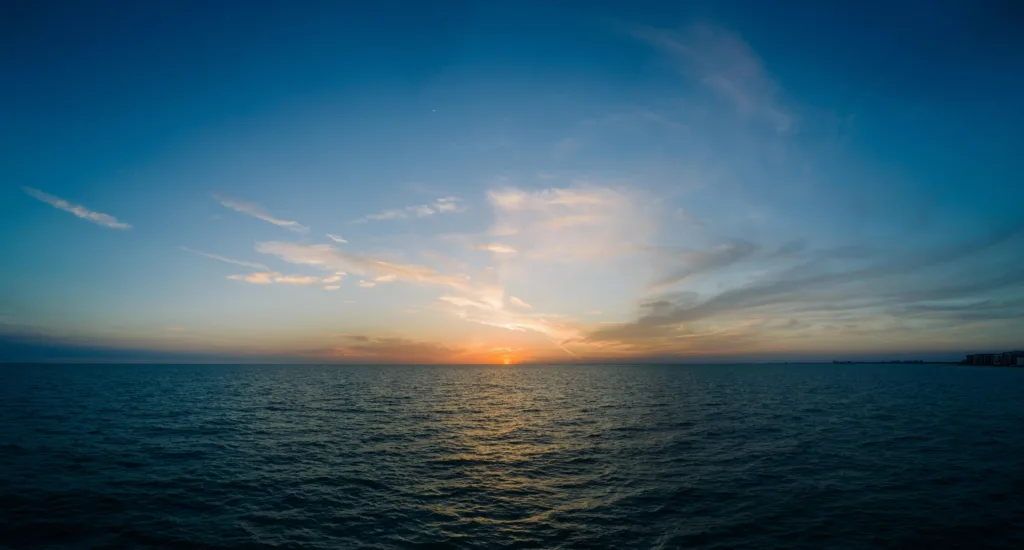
(98, 218)
(220, 258)
(723, 62)
(259, 212)
(440, 206)
(327, 257)
(834, 288)
(474, 301)
(268, 277)
(496, 248)
(298, 280)
(695, 262)
(519, 303)
(580, 223)
(260, 278)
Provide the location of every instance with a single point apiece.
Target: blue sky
(511, 181)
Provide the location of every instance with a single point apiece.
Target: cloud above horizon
(443, 205)
(268, 277)
(569, 224)
(910, 295)
(496, 248)
(723, 62)
(519, 303)
(327, 257)
(391, 349)
(686, 263)
(220, 258)
(477, 301)
(257, 211)
(98, 218)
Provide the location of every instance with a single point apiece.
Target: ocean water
(728, 456)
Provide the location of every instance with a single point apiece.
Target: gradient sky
(522, 181)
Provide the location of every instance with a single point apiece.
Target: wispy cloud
(336, 238)
(557, 329)
(258, 211)
(447, 204)
(98, 218)
(688, 263)
(260, 278)
(578, 227)
(268, 277)
(497, 248)
(218, 257)
(519, 303)
(834, 293)
(491, 311)
(385, 215)
(300, 280)
(332, 287)
(725, 63)
(476, 301)
(440, 206)
(462, 301)
(583, 222)
(327, 257)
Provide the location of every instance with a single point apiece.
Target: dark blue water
(787, 456)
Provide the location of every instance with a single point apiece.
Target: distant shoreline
(915, 362)
(595, 363)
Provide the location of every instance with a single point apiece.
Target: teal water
(726, 456)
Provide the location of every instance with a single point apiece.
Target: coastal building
(1011, 357)
(1004, 359)
(983, 359)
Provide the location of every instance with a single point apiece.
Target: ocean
(667, 456)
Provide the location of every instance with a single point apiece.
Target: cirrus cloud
(584, 222)
(439, 206)
(259, 212)
(220, 258)
(496, 248)
(98, 218)
(519, 303)
(268, 277)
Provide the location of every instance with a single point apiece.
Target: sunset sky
(482, 182)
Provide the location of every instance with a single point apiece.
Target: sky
(510, 182)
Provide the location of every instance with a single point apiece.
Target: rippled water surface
(739, 456)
